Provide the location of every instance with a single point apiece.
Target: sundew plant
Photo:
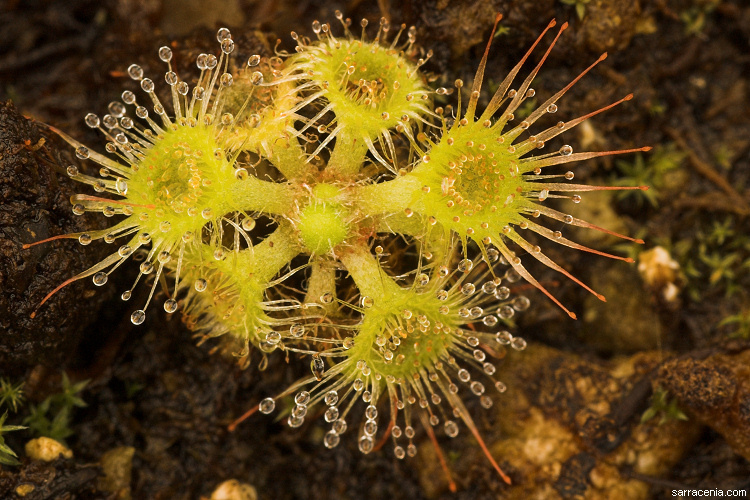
(320, 203)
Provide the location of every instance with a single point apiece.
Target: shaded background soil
(153, 389)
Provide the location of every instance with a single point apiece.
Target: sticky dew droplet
(165, 54)
(366, 444)
(273, 337)
(331, 439)
(490, 320)
(138, 317)
(518, 343)
(339, 426)
(451, 428)
(465, 265)
(170, 306)
(100, 278)
(331, 398)
(295, 422)
(331, 414)
(227, 46)
(302, 398)
(92, 120)
(267, 406)
(135, 72)
(521, 303)
(504, 337)
(477, 388)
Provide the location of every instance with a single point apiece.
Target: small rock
(46, 449)
(661, 273)
(232, 489)
(24, 489)
(557, 441)
(117, 465)
(609, 24)
(714, 391)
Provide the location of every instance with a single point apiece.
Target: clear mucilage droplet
(331, 414)
(128, 97)
(248, 224)
(92, 120)
(147, 85)
(135, 72)
(222, 34)
(138, 317)
(227, 45)
(451, 428)
(302, 398)
(331, 439)
(366, 444)
(273, 337)
(331, 398)
(109, 121)
(201, 61)
(116, 109)
(267, 406)
(465, 265)
(165, 54)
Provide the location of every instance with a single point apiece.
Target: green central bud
(322, 224)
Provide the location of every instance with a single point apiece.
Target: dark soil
(152, 388)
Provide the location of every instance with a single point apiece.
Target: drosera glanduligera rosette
(361, 158)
